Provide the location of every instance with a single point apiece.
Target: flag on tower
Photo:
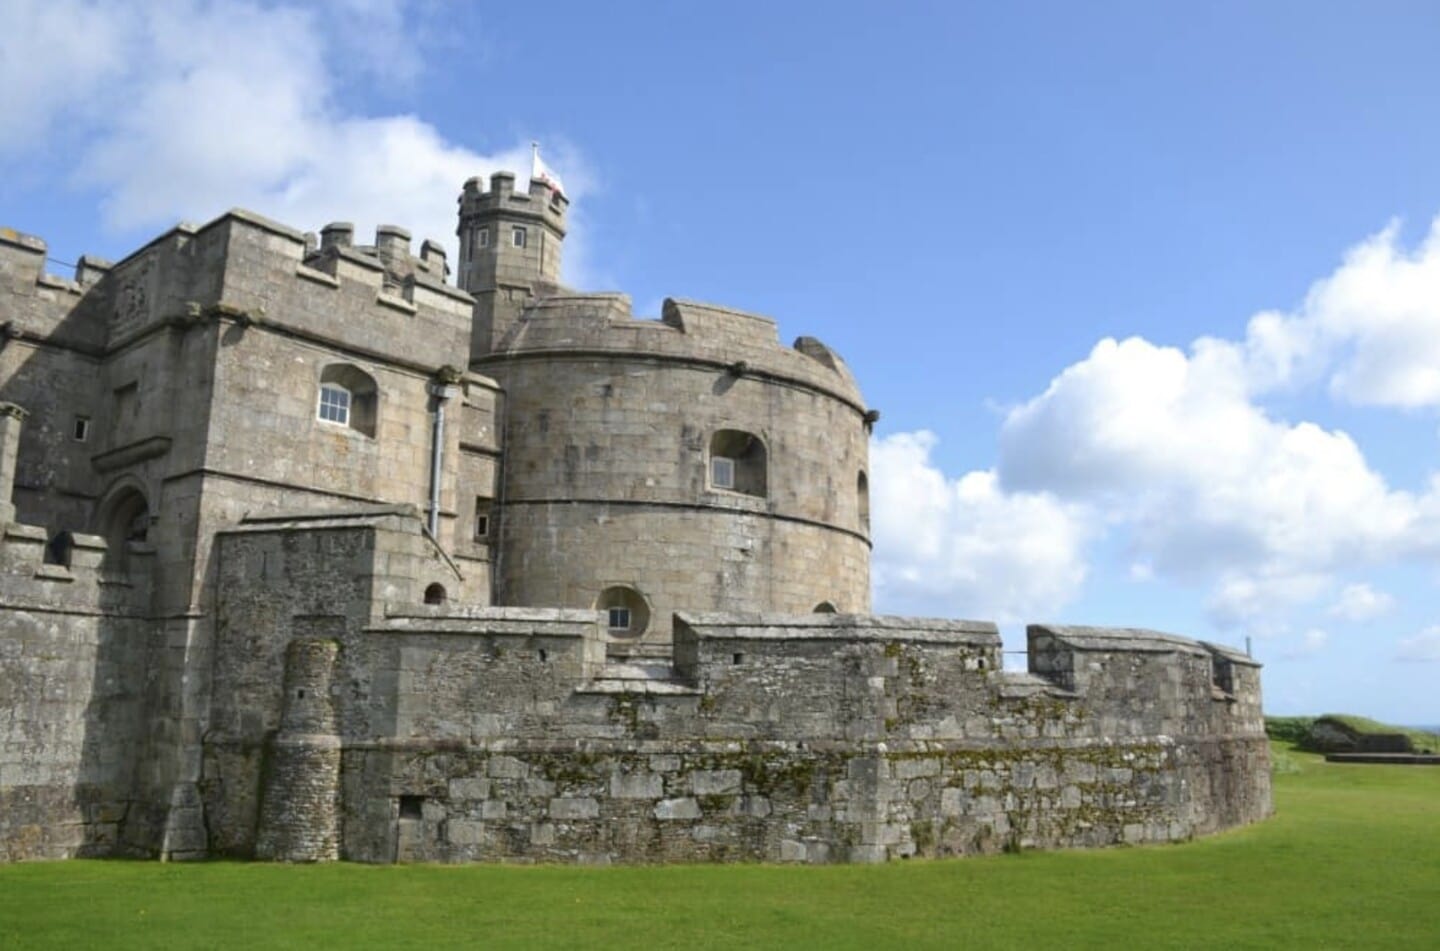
(539, 171)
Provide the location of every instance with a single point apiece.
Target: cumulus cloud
(1175, 452)
(1360, 602)
(181, 110)
(1423, 647)
(964, 547)
(1371, 330)
(1210, 487)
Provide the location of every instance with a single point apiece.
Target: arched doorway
(124, 518)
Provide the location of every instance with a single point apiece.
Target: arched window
(435, 594)
(824, 607)
(862, 500)
(627, 614)
(347, 398)
(737, 462)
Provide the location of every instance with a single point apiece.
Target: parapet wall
(847, 738)
(485, 734)
(688, 331)
(72, 647)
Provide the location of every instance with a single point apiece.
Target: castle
(311, 554)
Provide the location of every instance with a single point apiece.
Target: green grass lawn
(1351, 859)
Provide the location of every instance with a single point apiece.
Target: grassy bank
(1350, 860)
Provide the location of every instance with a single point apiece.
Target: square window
(412, 807)
(722, 472)
(482, 238)
(517, 236)
(82, 428)
(619, 619)
(482, 518)
(334, 404)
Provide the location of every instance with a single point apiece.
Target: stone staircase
(651, 674)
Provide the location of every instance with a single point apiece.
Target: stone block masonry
(502, 735)
(308, 554)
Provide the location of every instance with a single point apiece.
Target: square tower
(509, 240)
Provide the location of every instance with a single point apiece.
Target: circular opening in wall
(627, 614)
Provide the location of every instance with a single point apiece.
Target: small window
(348, 397)
(334, 404)
(737, 462)
(82, 428)
(412, 807)
(482, 238)
(824, 607)
(626, 612)
(722, 472)
(517, 236)
(482, 519)
(862, 500)
(435, 594)
(57, 550)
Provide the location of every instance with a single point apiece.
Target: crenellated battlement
(539, 203)
(36, 301)
(43, 570)
(71, 573)
(22, 267)
(742, 343)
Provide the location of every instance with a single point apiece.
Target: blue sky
(1146, 292)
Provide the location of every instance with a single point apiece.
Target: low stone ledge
(859, 627)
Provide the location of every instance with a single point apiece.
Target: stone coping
(350, 515)
(1135, 639)
(869, 627)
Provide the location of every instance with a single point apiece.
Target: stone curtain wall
(843, 739)
(471, 734)
(71, 665)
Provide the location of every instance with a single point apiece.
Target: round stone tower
(692, 463)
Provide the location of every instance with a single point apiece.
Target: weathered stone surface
(282, 640)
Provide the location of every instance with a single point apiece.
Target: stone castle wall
(499, 734)
(72, 651)
(231, 627)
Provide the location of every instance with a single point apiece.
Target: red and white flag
(539, 171)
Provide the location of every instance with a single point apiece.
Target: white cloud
(1311, 643)
(962, 546)
(1371, 330)
(1360, 602)
(1175, 453)
(1260, 602)
(1209, 486)
(1423, 647)
(184, 109)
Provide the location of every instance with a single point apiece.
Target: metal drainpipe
(437, 452)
